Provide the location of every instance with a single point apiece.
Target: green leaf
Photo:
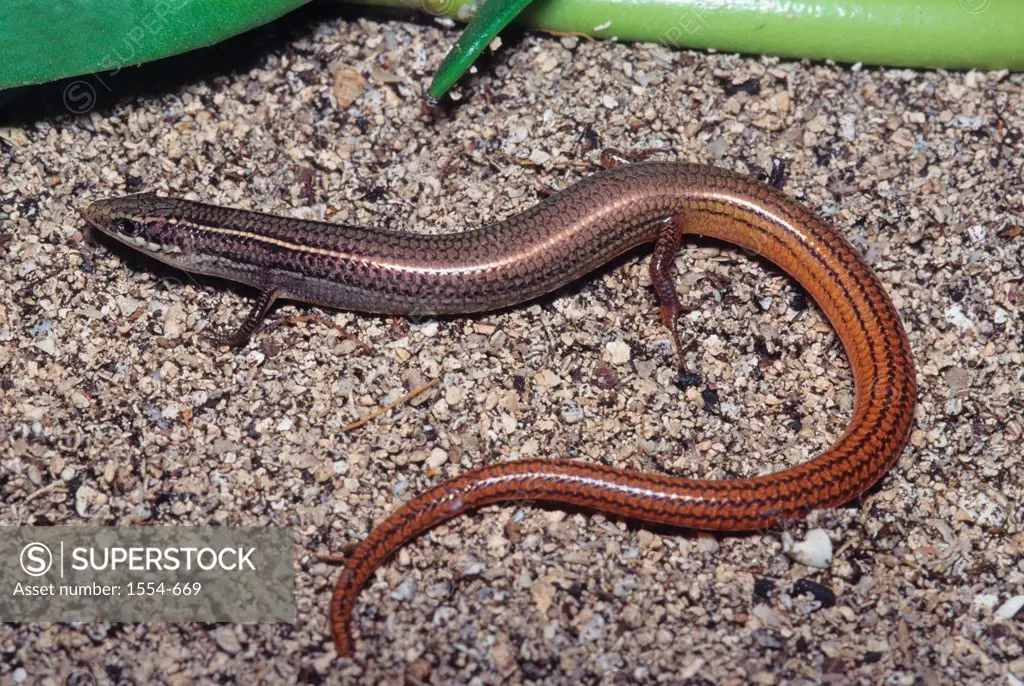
(492, 17)
(44, 40)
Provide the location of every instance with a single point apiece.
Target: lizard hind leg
(252, 323)
(662, 272)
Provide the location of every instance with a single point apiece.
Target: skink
(520, 258)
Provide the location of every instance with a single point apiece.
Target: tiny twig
(313, 317)
(576, 34)
(381, 410)
(333, 558)
(40, 492)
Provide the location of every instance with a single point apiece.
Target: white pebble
(127, 305)
(814, 551)
(48, 345)
(437, 458)
(955, 316)
(766, 615)
(572, 413)
(227, 640)
(618, 352)
(547, 378)
(174, 321)
(985, 601)
(83, 499)
(1010, 608)
(848, 126)
(405, 591)
(707, 542)
(539, 157)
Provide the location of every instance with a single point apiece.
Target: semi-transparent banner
(146, 574)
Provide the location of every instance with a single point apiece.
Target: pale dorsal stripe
(288, 245)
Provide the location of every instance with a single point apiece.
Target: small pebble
(1010, 608)
(814, 551)
(572, 413)
(227, 640)
(824, 595)
(437, 458)
(348, 84)
(619, 352)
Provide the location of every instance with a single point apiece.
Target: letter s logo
(36, 559)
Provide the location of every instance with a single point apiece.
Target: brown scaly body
(535, 252)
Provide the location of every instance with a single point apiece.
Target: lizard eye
(126, 227)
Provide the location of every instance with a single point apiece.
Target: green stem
(952, 34)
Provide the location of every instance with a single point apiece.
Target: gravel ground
(113, 410)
